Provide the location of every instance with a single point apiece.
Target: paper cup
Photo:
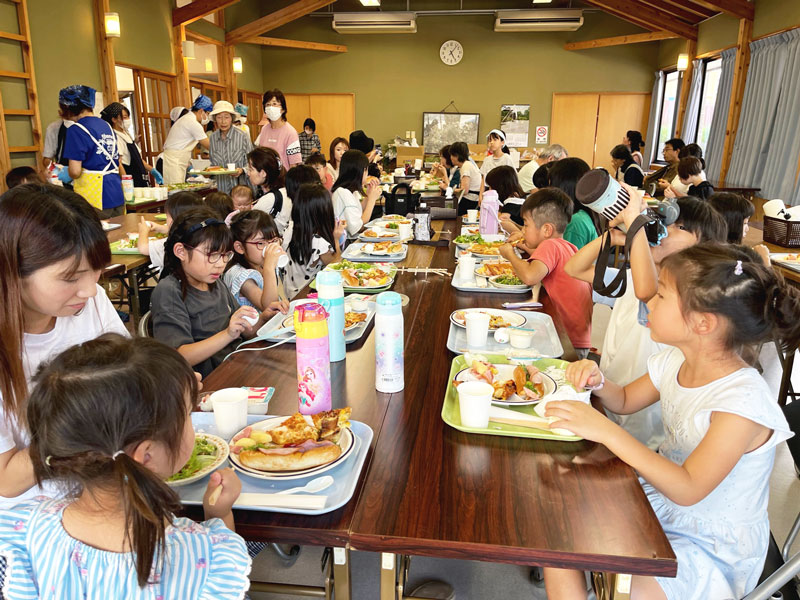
(231, 166)
(404, 229)
(230, 411)
(520, 339)
(472, 215)
(138, 192)
(477, 328)
(466, 268)
(474, 402)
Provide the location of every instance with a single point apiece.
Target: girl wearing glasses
(257, 247)
(191, 313)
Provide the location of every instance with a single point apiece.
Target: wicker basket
(781, 232)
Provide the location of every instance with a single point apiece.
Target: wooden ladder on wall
(32, 110)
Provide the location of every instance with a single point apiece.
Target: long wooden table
(427, 489)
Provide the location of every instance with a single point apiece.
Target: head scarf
(241, 109)
(77, 96)
(112, 111)
(203, 103)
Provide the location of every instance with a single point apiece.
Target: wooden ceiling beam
(741, 9)
(281, 43)
(689, 5)
(675, 11)
(274, 20)
(646, 16)
(621, 40)
(197, 9)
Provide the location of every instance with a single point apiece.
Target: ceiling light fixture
(370, 2)
(683, 62)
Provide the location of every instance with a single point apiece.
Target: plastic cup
(231, 166)
(477, 328)
(404, 229)
(521, 339)
(472, 215)
(466, 268)
(230, 411)
(138, 192)
(474, 401)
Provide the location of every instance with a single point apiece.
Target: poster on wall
(514, 119)
(541, 134)
(442, 128)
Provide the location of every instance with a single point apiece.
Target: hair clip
(202, 225)
(737, 270)
(230, 216)
(47, 460)
(116, 454)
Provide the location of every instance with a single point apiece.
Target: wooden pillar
(686, 84)
(227, 74)
(184, 92)
(737, 94)
(105, 50)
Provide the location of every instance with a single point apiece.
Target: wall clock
(451, 52)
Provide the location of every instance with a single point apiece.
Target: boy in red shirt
(546, 214)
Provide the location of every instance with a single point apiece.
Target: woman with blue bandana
(185, 134)
(91, 149)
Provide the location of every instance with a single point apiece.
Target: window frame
(704, 67)
(662, 92)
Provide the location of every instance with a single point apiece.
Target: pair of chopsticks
(425, 270)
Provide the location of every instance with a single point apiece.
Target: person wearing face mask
(228, 144)
(185, 134)
(118, 116)
(276, 132)
(309, 140)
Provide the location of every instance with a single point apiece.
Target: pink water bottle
(313, 358)
(490, 213)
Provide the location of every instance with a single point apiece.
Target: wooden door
(254, 111)
(573, 123)
(617, 113)
(335, 116)
(298, 109)
(154, 97)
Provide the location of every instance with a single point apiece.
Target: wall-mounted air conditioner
(538, 20)
(375, 22)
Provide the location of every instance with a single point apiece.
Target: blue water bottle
(330, 295)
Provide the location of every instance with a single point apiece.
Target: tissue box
(782, 232)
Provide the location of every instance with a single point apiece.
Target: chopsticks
(425, 270)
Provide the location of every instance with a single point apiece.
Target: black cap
(360, 141)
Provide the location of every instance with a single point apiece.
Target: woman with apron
(91, 149)
(183, 136)
(118, 116)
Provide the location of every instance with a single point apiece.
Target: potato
(245, 442)
(261, 437)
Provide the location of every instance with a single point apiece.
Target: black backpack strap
(278, 204)
(617, 287)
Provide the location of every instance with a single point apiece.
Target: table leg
(133, 297)
(612, 586)
(341, 574)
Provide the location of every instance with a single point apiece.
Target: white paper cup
(474, 402)
(134, 237)
(472, 215)
(230, 411)
(138, 192)
(231, 166)
(520, 339)
(404, 229)
(466, 268)
(477, 328)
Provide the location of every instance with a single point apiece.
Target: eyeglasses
(261, 244)
(213, 257)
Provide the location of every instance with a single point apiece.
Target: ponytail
(784, 304)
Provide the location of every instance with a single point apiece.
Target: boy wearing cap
(228, 144)
(184, 135)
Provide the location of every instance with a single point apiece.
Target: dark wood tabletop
(433, 490)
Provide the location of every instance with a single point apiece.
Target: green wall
(772, 15)
(396, 78)
(146, 36)
(717, 32)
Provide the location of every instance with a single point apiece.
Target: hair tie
(230, 216)
(116, 454)
(737, 270)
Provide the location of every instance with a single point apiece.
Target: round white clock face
(451, 52)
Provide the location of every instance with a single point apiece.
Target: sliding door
(334, 114)
(573, 123)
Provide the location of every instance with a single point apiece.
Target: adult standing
(276, 132)
(91, 149)
(309, 140)
(183, 137)
(626, 168)
(470, 177)
(228, 144)
(552, 153)
(634, 142)
(119, 117)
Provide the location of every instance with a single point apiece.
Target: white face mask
(206, 120)
(273, 112)
(126, 124)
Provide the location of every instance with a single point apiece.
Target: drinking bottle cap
(310, 311)
(389, 303)
(329, 285)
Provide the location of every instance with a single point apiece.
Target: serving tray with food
(363, 276)
(214, 171)
(359, 313)
(259, 493)
(128, 245)
(376, 251)
(498, 318)
(535, 338)
(378, 234)
(786, 259)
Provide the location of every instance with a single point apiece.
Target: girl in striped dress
(110, 421)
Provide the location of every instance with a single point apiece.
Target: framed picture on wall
(442, 128)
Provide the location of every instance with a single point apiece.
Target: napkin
(564, 392)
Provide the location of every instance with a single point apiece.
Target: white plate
(347, 442)
(780, 258)
(222, 454)
(394, 238)
(478, 268)
(289, 321)
(382, 266)
(505, 286)
(369, 248)
(512, 319)
(505, 372)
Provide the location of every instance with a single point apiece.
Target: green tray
(115, 249)
(136, 202)
(392, 271)
(452, 416)
(160, 216)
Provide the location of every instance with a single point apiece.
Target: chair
(780, 576)
(146, 325)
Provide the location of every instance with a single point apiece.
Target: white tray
(352, 253)
(780, 258)
(545, 338)
(345, 475)
(456, 283)
(354, 334)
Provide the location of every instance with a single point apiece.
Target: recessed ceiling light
(372, 2)
(542, 1)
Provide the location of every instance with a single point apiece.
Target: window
(669, 107)
(712, 70)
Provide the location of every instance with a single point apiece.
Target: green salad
(204, 454)
(469, 239)
(392, 226)
(346, 264)
(508, 280)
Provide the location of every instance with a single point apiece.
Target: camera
(603, 194)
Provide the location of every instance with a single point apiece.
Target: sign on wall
(541, 134)
(514, 120)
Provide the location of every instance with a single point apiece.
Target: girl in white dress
(709, 481)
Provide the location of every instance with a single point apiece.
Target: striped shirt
(308, 143)
(204, 561)
(233, 148)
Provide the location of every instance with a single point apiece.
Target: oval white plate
(505, 372)
(222, 454)
(504, 286)
(512, 319)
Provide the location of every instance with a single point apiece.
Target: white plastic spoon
(313, 486)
